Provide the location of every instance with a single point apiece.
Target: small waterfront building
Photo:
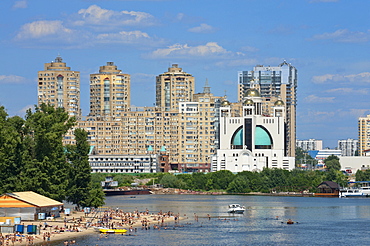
(321, 155)
(328, 188)
(254, 140)
(28, 205)
(147, 163)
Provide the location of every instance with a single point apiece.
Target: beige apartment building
(174, 87)
(59, 87)
(109, 92)
(187, 133)
(364, 135)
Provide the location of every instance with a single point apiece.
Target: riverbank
(175, 191)
(67, 229)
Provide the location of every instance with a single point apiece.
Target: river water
(321, 221)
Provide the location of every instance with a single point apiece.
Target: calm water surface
(321, 221)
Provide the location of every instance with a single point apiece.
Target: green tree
(363, 175)
(46, 171)
(302, 157)
(240, 184)
(168, 180)
(124, 180)
(81, 186)
(11, 149)
(188, 180)
(332, 162)
(219, 180)
(199, 181)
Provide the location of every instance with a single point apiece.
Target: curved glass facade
(237, 139)
(262, 138)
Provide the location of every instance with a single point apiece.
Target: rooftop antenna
(58, 59)
(206, 88)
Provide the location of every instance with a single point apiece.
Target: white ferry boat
(360, 189)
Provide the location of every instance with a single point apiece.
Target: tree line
(268, 180)
(33, 158)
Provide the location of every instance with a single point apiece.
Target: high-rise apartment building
(274, 83)
(348, 147)
(174, 87)
(310, 144)
(109, 92)
(198, 131)
(60, 87)
(363, 135)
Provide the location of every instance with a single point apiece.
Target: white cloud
(361, 77)
(316, 99)
(203, 28)
(7, 79)
(178, 50)
(180, 16)
(22, 4)
(55, 31)
(313, 116)
(356, 113)
(348, 91)
(344, 36)
(95, 15)
(122, 37)
(38, 29)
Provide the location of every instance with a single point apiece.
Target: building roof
(32, 198)
(329, 184)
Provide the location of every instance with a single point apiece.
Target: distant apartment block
(109, 92)
(59, 86)
(310, 144)
(363, 135)
(182, 128)
(173, 87)
(148, 163)
(187, 132)
(349, 147)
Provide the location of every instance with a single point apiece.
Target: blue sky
(326, 40)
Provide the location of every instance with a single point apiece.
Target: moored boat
(360, 189)
(118, 192)
(236, 209)
(112, 231)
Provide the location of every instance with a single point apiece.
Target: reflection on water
(321, 221)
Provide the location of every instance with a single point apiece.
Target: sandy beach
(67, 229)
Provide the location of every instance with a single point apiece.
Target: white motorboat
(236, 209)
(361, 191)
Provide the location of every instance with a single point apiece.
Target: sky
(328, 41)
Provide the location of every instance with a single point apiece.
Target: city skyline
(326, 40)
